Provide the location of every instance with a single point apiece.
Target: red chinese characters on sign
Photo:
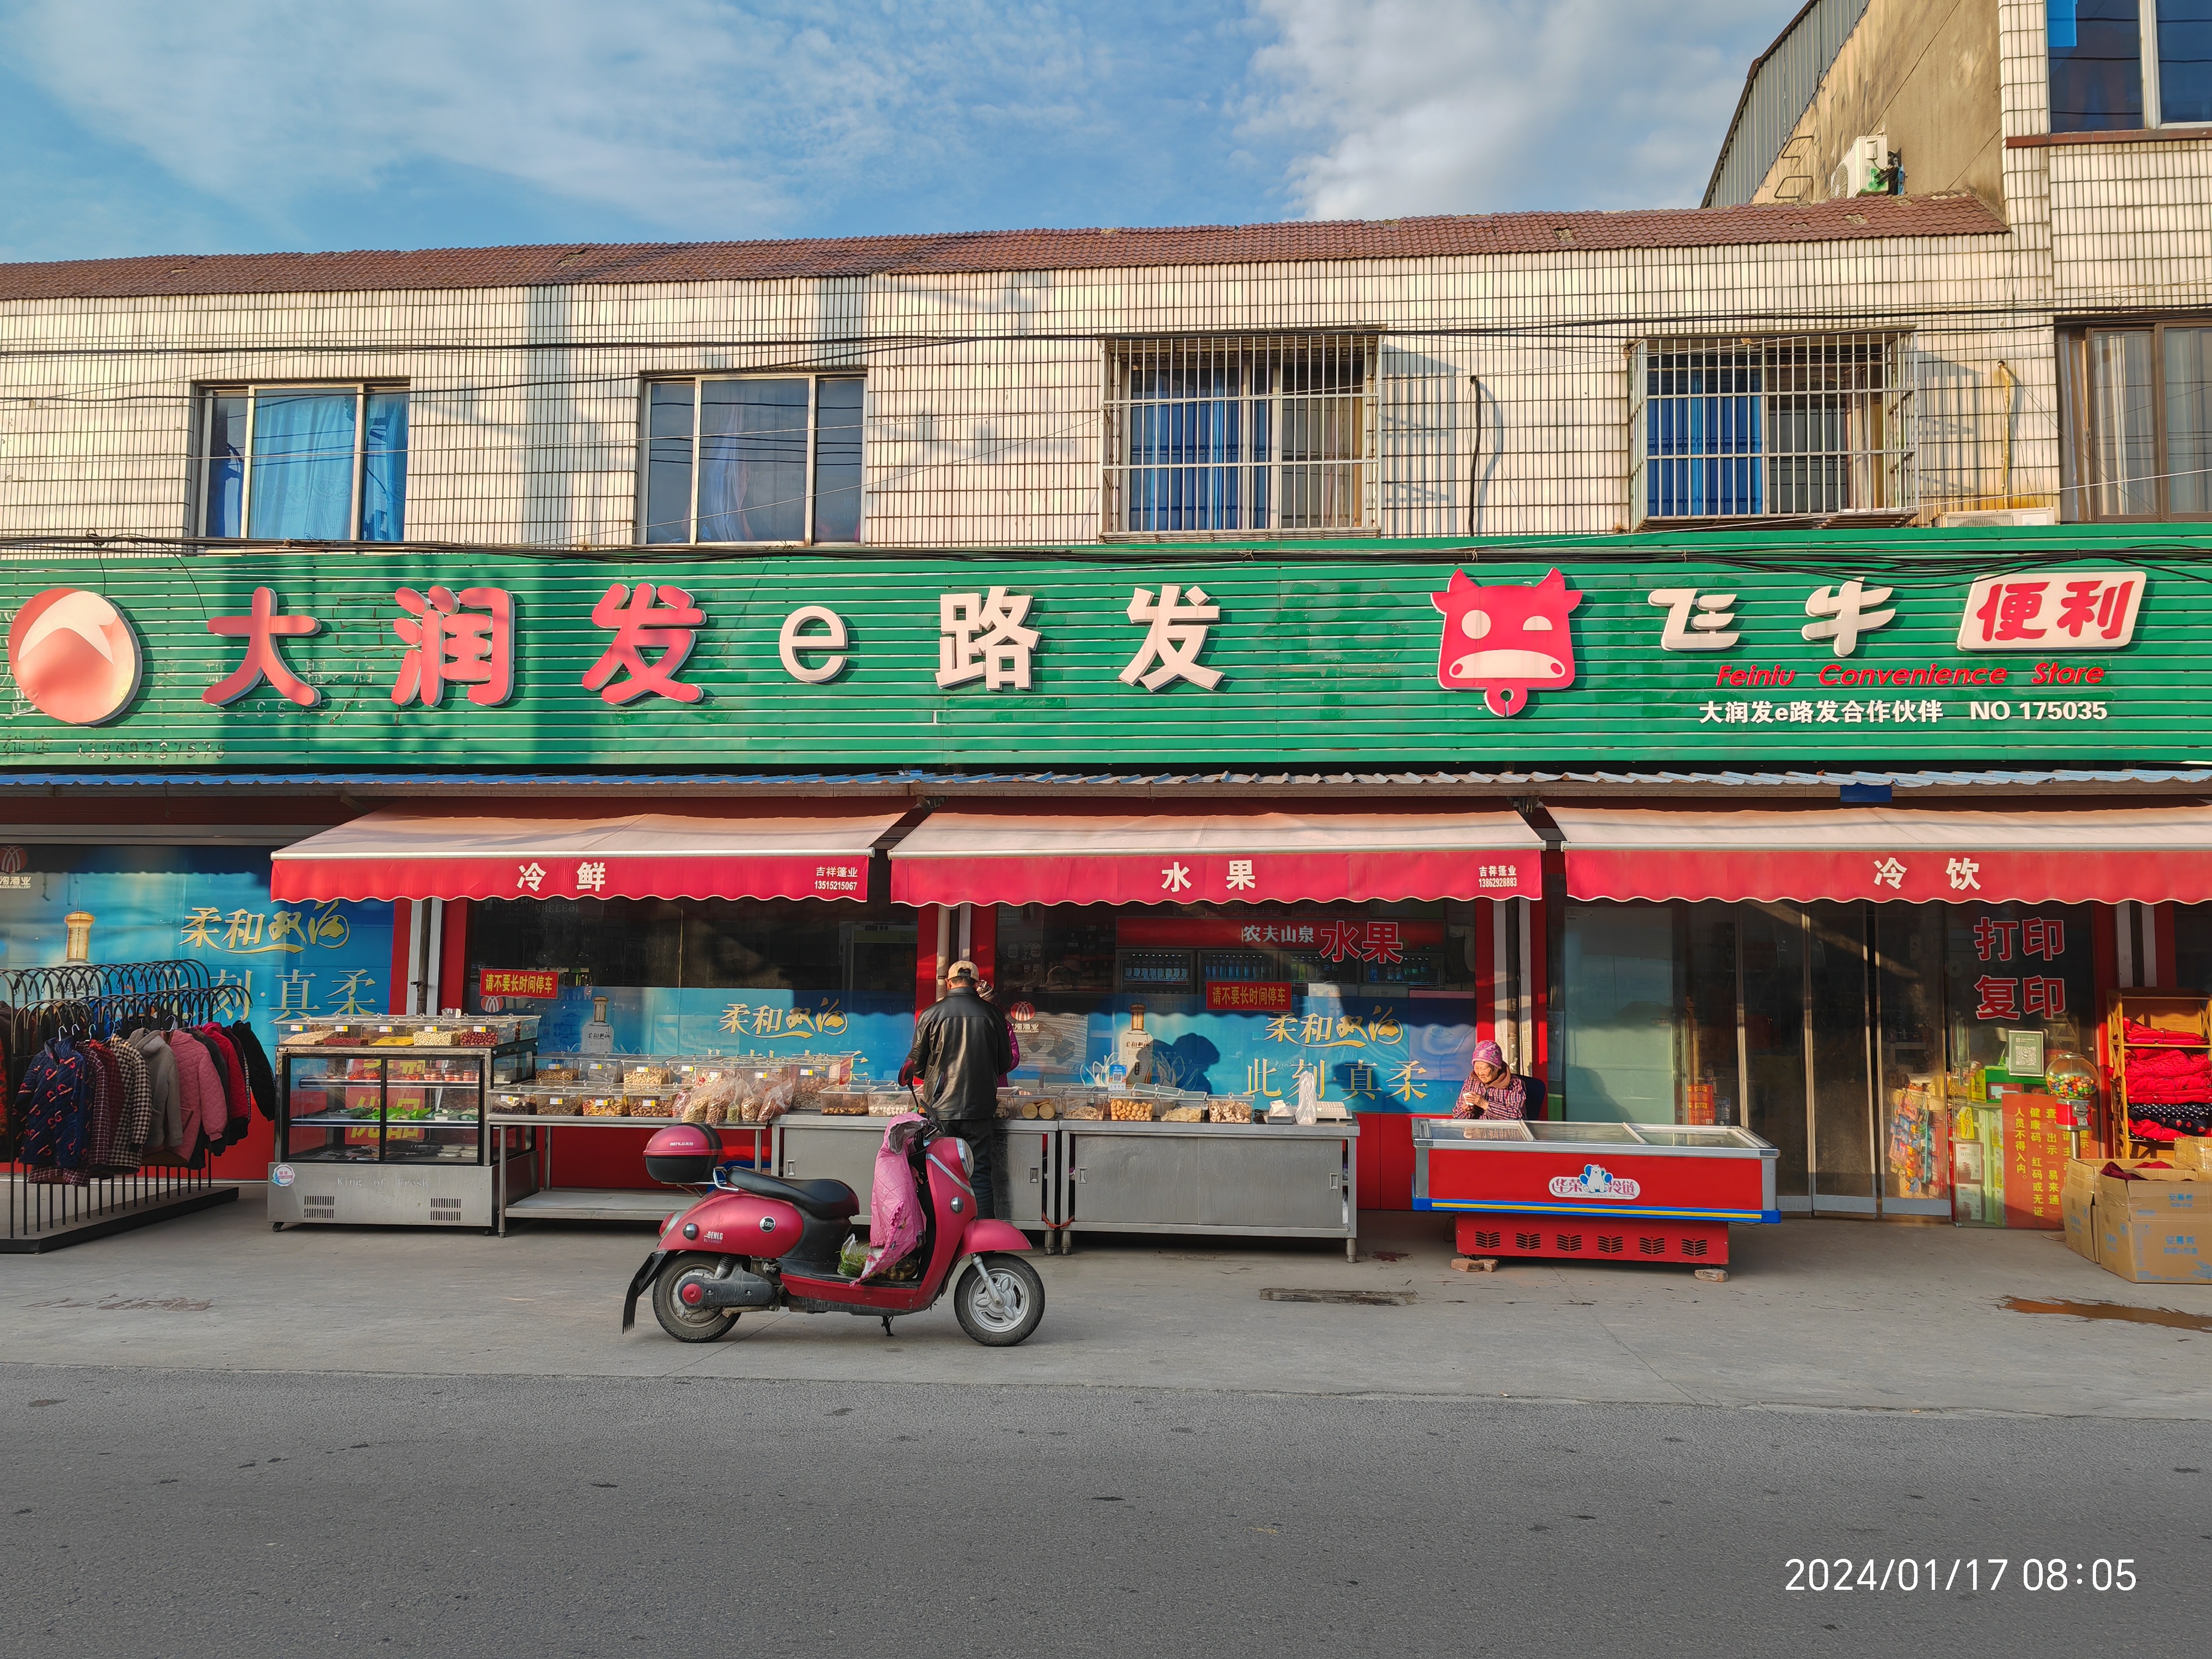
(2036, 1149)
(645, 618)
(2032, 996)
(465, 639)
(1339, 940)
(1373, 941)
(541, 982)
(1505, 641)
(2075, 611)
(1999, 998)
(1993, 938)
(262, 627)
(1248, 996)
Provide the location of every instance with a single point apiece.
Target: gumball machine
(2072, 1081)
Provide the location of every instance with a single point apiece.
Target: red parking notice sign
(1248, 996)
(518, 982)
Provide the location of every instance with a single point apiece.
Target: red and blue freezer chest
(1627, 1192)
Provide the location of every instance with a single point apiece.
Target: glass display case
(353, 1107)
(384, 1127)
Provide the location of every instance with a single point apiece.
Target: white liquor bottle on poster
(1133, 1048)
(598, 1037)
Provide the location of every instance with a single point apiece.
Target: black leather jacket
(960, 1052)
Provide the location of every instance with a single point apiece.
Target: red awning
(2146, 853)
(415, 855)
(1246, 857)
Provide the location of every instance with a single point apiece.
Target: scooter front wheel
(1009, 1317)
(688, 1324)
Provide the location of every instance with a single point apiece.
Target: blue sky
(144, 126)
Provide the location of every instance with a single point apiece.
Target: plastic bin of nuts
(1229, 1108)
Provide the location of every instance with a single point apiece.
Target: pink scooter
(756, 1241)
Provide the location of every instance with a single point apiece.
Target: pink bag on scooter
(895, 1208)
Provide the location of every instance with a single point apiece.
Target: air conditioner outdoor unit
(1864, 169)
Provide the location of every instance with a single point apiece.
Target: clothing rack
(99, 1000)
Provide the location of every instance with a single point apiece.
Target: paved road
(174, 1513)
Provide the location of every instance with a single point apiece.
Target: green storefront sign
(1900, 651)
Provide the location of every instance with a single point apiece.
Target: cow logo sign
(1506, 641)
(73, 656)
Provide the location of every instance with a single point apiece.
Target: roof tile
(564, 264)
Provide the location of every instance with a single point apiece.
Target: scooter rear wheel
(689, 1324)
(1021, 1301)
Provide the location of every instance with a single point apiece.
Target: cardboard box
(2077, 1204)
(2156, 1230)
(2192, 1153)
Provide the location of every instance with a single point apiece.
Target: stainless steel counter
(1280, 1179)
(810, 1146)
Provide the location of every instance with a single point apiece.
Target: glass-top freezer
(1435, 1131)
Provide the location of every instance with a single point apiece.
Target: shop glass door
(1914, 1148)
(1772, 966)
(1841, 1100)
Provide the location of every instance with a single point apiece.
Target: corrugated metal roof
(1776, 93)
(568, 265)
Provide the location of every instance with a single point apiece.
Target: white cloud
(1468, 105)
(687, 113)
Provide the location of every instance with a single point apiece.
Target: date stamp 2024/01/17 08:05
(1966, 1574)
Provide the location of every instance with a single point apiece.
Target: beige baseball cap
(963, 969)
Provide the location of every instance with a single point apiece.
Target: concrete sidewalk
(1830, 1314)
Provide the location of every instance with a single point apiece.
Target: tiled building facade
(1503, 392)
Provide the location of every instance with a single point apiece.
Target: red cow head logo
(1502, 641)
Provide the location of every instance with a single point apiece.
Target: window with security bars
(1806, 427)
(1240, 437)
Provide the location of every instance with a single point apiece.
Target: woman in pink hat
(1493, 1090)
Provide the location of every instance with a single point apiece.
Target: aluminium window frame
(1114, 355)
(813, 377)
(202, 457)
(2077, 436)
(2150, 74)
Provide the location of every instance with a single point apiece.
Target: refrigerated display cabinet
(393, 1135)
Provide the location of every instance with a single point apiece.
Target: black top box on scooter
(685, 1154)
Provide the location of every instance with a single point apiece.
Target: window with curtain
(2139, 406)
(753, 458)
(303, 463)
(2102, 79)
(1240, 435)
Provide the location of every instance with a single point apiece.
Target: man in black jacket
(961, 1050)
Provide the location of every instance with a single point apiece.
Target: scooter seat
(831, 1199)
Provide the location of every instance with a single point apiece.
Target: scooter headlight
(967, 1156)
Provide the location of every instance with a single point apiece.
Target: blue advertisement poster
(665, 1020)
(208, 903)
(1386, 1054)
